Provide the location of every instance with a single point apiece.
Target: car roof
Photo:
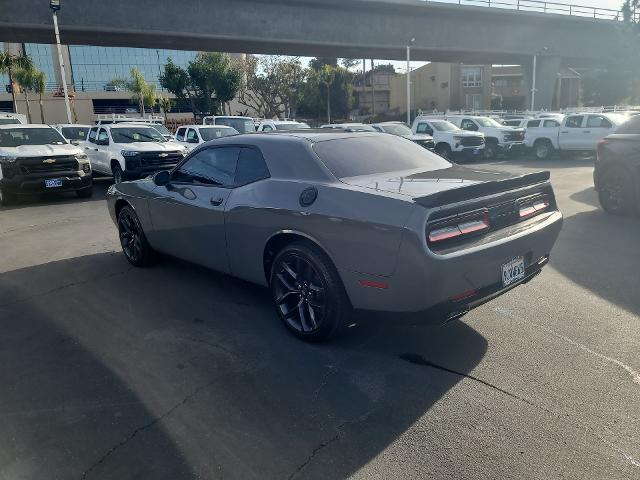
(305, 135)
(65, 125)
(389, 123)
(24, 125)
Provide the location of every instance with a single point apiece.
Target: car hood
(465, 133)
(152, 146)
(40, 150)
(419, 184)
(418, 137)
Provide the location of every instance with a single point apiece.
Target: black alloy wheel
(132, 239)
(308, 293)
(616, 192)
(490, 150)
(543, 149)
(118, 176)
(443, 150)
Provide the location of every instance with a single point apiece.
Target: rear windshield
(136, 134)
(16, 137)
(75, 133)
(630, 127)
(291, 126)
(242, 125)
(370, 155)
(211, 133)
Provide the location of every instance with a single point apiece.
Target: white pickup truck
(498, 138)
(578, 132)
(450, 141)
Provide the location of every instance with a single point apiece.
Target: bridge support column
(547, 68)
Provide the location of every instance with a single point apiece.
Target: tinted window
(242, 125)
(180, 134)
(424, 128)
(192, 135)
(75, 133)
(630, 127)
(467, 124)
(551, 123)
(103, 136)
(574, 122)
(251, 167)
(267, 128)
(212, 166)
(92, 134)
(596, 121)
(211, 133)
(8, 121)
(136, 134)
(533, 123)
(30, 136)
(369, 155)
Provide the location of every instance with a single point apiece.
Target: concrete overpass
(339, 28)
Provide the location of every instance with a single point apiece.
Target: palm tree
(327, 75)
(8, 64)
(165, 105)
(143, 93)
(39, 85)
(25, 77)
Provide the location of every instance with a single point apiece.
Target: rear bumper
(425, 281)
(26, 185)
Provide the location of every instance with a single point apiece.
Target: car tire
(118, 174)
(490, 150)
(6, 198)
(543, 149)
(307, 293)
(85, 192)
(133, 241)
(615, 192)
(443, 150)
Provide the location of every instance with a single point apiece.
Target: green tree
(9, 64)
(327, 75)
(25, 78)
(165, 106)
(210, 81)
(39, 86)
(315, 91)
(272, 85)
(143, 93)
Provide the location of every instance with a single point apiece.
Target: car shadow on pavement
(615, 237)
(588, 196)
(178, 372)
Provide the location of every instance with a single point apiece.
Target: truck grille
(45, 165)
(159, 159)
(471, 141)
(515, 136)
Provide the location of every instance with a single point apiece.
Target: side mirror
(162, 178)
(192, 140)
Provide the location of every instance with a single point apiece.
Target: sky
(401, 66)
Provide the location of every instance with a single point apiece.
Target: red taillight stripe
(372, 284)
(460, 226)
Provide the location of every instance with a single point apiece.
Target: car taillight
(460, 226)
(533, 206)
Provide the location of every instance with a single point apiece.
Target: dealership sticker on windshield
(512, 271)
(53, 183)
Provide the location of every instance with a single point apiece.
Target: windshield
(370, 155)
(136, 134)
(242, 125)
(162, 129)
(291, 126)
(212, 133)
(357, 127)
(8, 121)
(487, 122)
(75, 133)
(444, 126)
(30, 136)
(396, 129)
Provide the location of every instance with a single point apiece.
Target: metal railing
(544, 7)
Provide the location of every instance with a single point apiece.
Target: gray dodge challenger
(334, 221)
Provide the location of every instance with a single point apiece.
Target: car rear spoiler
(478, 190)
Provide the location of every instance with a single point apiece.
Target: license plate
(512, 271)
(53, 183)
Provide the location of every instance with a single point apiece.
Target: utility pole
(373, 92)
(55, 6)
(533, 84)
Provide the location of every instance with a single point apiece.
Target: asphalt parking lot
(176, 372)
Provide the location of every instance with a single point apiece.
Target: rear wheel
(132, 239)
(543, 149)
(308, 293)
(443, 150)
(118, 175)
(615, 192)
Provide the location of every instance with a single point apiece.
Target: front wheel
(543, 150)
(307, 293)
(615, 192)
(118, 175)
(443, 150)
(490, 151)
(132, 239)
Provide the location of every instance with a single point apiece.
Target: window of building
(42, 56)
(473, 101)
(472, 76)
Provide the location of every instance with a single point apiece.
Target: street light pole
(409, 81)
(55, 6)
(533, 83)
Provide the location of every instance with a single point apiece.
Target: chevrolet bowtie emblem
(49, 160)
(162, 155)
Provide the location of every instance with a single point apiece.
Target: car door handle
(216, 202)
(96, 149)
